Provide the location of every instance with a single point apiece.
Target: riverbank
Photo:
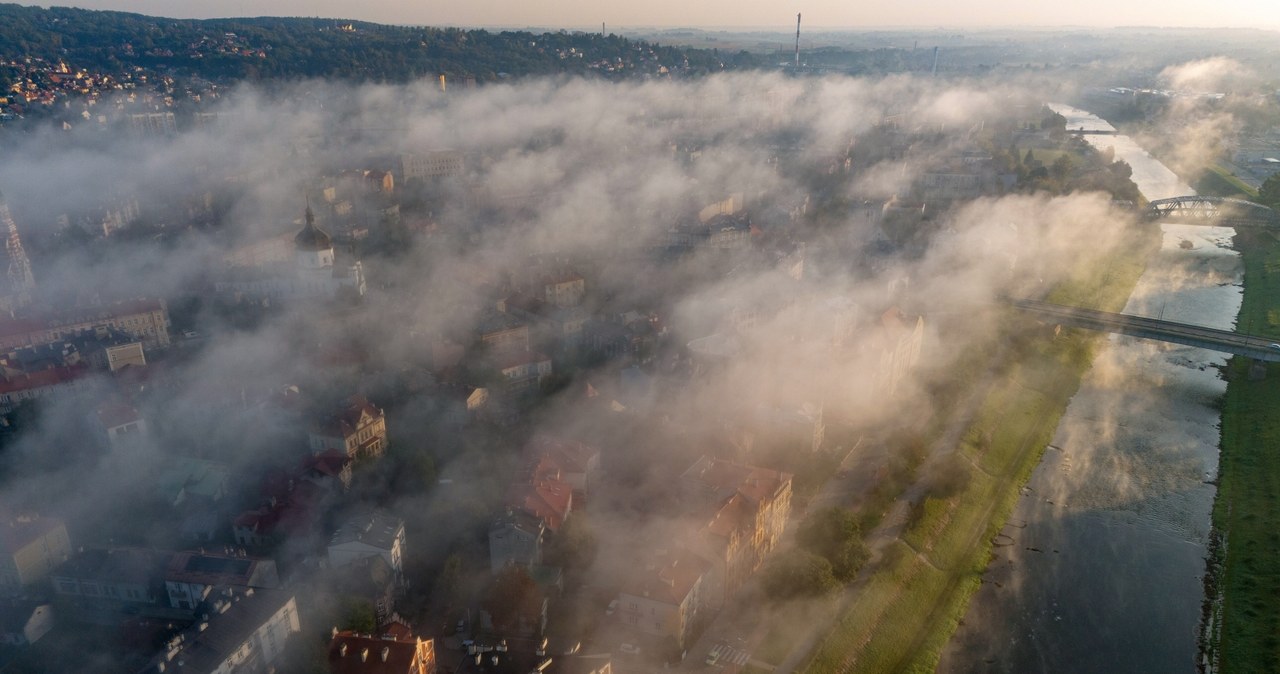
(1243, 616)
(912, 602)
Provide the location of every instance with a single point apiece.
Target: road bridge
(1225, 341)
(1212, 211)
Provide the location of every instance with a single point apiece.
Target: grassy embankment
(1216, 181)
(1246, 551)
(910, 606)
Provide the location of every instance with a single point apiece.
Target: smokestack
(602, 33)
(797, 40)
(442, 87)
(935, 62)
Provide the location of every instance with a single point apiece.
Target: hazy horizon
(822, 14)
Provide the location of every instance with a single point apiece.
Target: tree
(797, 574)
(512, 596)
(359, 616)
(1269, 193)
(1061, 167)
(574, 545)
(834, 535)
(448, 580)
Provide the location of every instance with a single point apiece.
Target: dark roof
(312, 238)
(119, 565)
(209, 569)
(376, 528)
(227, 631)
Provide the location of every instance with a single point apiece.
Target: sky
(733, 13)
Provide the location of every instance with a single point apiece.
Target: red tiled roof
(547, 499)
(43, 378)
(372, 655)
(571, 457)
(329, 462)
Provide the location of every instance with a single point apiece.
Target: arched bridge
(1213, 211)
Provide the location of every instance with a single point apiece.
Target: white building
(371, 534)
(245, 631)
(313, 273)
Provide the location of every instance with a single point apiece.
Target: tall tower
(313, 249)
(797, 40)
(20, 281)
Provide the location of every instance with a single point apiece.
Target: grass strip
(911, 605)
(1244, 578)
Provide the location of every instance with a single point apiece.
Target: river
(1100, 567)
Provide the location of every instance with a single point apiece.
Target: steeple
(312, 238)
(18, 272)
(313, 249)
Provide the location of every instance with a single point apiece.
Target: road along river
(1100, 566)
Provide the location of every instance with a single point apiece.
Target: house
(112, 578)
(515, 537)
(502, 332)
(191, 576)
(744, 510)
(54, 381)
(291, 509)
(356, 427)
(368, 534)
(540, 492)
(119, 424)
(244, 631)
(24, 622)
(664, 599)
(901, 339)
(523, 370)
(388, 653)
(330, 469)
(146, 319)
(565, 289)
(31, 547)
(197, 483)
(578, 463)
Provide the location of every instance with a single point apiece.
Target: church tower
(313, 249)
(18, 271)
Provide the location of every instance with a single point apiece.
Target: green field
(910, 606)
(1216, 181)
(1246, 551)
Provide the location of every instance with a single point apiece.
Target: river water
(1100, 568)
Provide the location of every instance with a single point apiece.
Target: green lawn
(1245, 513)
(1216, 181)
(910, 606)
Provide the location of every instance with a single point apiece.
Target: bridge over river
(1212, 211)
(1225, 341)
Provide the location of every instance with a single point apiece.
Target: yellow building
(357, 428)
(748, 510)
(30, 548)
